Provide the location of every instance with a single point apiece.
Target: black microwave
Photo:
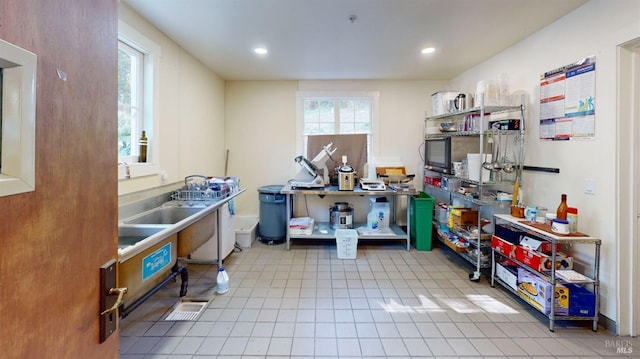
(441, 152)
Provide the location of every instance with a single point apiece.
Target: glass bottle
(143, 147)
(561, 212)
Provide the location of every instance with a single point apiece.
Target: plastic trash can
(273, 213)
(420, 221)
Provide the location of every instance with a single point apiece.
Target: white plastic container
(572, 218)
(474, 163)
(222, 281)
(382, 211)
(347, 243)
(246, 231)
(372, 221)
(439, 101)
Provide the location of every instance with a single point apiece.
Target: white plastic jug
(222, 281)
(383, 216)
(372, 221)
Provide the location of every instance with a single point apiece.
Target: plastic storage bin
(347, 243)
(246, 229)
(420, 221)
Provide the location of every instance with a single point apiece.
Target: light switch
(589, 186)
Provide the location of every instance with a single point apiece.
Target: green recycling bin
(421, 221)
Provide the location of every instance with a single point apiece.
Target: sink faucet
(127, 170)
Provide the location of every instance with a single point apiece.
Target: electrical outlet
(164, 177)
(589, 186)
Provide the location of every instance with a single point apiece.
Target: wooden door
(54, 239)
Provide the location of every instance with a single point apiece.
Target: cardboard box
(461, 217)
(302, 230)
(581, 301)
(508, 275)
(504, 247)
(513, 124)
(538, 245)
(537, 292)
(509, 233)
(540, 261)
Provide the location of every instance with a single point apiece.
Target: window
(137, 68)
(130, 101)
(337, 116)
(349, 116)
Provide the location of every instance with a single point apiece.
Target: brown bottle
(561, 212)
(143, 147)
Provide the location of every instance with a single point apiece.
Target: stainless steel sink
(163, 215)
(130, 235)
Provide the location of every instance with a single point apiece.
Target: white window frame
(18, 120)
(137, 99)
(152, 53)
(372, 96)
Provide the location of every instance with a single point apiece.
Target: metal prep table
(398, 233)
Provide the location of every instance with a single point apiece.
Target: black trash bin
(273, 214)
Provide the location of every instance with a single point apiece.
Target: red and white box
(541, 261)
(506, 248)
(538, 245)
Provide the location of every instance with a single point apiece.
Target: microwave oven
(441, 152)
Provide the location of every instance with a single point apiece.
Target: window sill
(137, 170)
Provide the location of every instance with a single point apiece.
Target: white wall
(261, 125)
(596, 28)
(260, 136)
(190, 105)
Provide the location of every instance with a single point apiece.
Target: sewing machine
(309, 175)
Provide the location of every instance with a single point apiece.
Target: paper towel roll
(474, 163)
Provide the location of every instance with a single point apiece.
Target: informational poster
(567, 101)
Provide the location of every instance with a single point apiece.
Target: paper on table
(571, 275)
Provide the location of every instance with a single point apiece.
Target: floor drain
(186, 311)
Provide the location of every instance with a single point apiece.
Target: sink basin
(130, 235)
(163, 215)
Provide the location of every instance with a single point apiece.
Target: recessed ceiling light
(428, 50)
(260, 50)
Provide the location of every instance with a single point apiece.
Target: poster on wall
(567, 101)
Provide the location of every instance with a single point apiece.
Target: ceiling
(347, 39)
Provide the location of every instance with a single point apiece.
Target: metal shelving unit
(593, 279)
(468, 256)
(329, 233)
(485, 186)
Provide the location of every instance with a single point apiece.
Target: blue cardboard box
(509, 233)
(581, 301)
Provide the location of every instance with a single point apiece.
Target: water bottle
(222, 281)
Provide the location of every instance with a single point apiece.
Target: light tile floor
(388, 302)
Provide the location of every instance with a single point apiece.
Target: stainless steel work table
(398, 233)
